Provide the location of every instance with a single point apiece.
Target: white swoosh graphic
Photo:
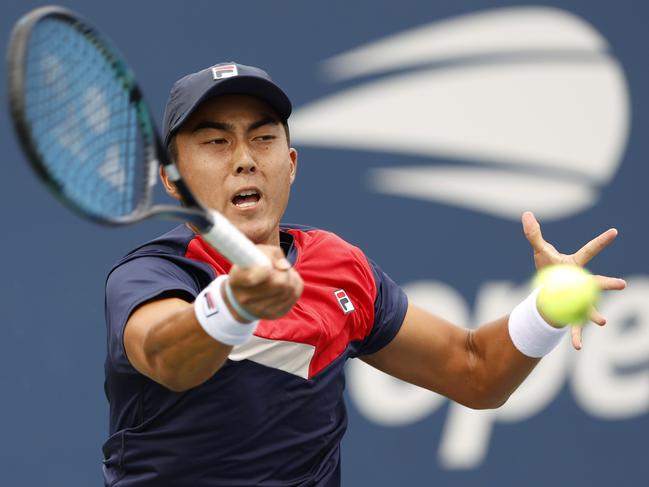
(564, 118)
(506, 30)
(492, 191)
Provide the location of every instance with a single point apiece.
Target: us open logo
(344, 301)
(497, 110)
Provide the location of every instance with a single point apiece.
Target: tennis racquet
(83, 123)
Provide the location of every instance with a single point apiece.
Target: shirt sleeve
(132, 284)
(390, 306)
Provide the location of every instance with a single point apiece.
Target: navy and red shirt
(274, 414)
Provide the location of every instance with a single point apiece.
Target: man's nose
(244, 162)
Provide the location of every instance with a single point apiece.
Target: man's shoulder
(173, 242)
(170, 246)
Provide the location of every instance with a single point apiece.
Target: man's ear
(170, 187)
(293, 160)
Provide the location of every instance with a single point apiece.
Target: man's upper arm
(410, 343)
(134, 283)
(389, 305)
(141, 322)
(427, 351)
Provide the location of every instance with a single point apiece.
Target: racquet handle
(233, 244)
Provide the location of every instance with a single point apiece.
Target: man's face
(234, 155)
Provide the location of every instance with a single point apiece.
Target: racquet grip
(233, 244)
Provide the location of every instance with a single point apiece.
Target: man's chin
(258, 232)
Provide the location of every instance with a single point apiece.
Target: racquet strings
(83, 125)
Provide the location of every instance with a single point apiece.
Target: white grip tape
(233, 244)
(529, 332)
(214, 316)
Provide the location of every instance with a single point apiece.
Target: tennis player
(224, 376)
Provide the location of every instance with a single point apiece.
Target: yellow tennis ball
(567, 294)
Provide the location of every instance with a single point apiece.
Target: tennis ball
(567, 294)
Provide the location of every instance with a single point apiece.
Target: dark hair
(287, 131)
(172, 148)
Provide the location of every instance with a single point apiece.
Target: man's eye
(265, 138)
(216, 141)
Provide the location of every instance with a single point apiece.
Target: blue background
(52, 408)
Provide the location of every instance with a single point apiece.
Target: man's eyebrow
(209, 124)
(267, 120)
(228, 127)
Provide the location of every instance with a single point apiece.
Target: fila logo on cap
(224, 71)
(344, 301)
(209, 304)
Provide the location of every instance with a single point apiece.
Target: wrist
(530, 333)
(215, 317)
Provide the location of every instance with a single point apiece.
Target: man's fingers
(282, 264)
(276, 256)
(272, 309)
(280, 287)
(271, 298)
(267, 292)
(597, 317)
(606, 283)
(249, 277)
(594, 247)
(259, 275)
(575, 333)
(532, 231)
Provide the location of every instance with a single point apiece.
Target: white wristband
(529, 332)
(214, 316)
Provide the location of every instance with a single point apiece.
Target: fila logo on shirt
(344, 301)
(209, 304)
(224, 71)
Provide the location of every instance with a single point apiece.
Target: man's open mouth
(246, 198)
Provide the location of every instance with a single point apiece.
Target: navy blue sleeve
(132, 284)
(390, 306)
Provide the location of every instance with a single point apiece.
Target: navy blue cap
(221, 79)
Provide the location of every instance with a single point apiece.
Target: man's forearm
(179, 353)
(499, 367)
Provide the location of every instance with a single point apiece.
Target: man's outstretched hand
(546, 254)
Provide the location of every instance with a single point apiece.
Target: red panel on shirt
(326, 264)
